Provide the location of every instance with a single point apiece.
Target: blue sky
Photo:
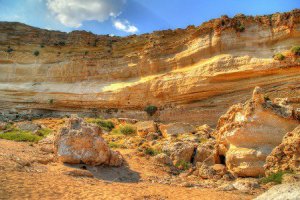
(125, 17)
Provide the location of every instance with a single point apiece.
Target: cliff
(192, 75)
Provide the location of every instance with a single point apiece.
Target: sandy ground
(28, 173)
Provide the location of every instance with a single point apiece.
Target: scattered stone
(174, 129)
(246, 184)
(290, 191)
(80, 142)
(227, 187)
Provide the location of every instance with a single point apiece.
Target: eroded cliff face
(192, 75)
(249, 132)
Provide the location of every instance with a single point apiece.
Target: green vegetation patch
(279, 56)
(106, 125)
(296, 50)
(20, 136)
(126, 129)
(183, 165)
(275, 177)
(36, 53)
(152, 152)
(151, 110)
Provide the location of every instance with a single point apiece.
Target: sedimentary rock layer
(193, 75)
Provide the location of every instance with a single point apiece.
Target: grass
(116, 145)
(126, 129)
(279, 56)
(106, 125)
(275, 177)
(20, 136)
(183, 165)
(44, 132)
(151, 151)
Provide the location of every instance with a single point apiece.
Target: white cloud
(124, 25)
(72, 13)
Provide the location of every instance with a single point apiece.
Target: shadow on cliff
(121, 174)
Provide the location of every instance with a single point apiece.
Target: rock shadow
(121, 174)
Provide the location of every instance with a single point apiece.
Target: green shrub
(126, 129)
(183, 165)
(20, 136)
(104, 124)
(86, 53)
(151, 110)
(275, 177)
(279, 56)
(51, 101)
(36, 53)
(9, 49)
(42, 45)
(151, 151)
(296, 50)
(239, 27)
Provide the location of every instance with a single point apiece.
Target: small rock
(29, 126)
(227, 187)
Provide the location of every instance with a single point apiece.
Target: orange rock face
(192, 75)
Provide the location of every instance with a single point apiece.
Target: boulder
(179, 152)
(174, 129)
(80, 142)
(206, 153)
(248, 133)
(163, 158)
(145, 127)
(286, 156)
(290, 191)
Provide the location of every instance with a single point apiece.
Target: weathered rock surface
(180, 152)
(29, 126)
(175, 129)
(82, 143)
(193, 75)
(248, 133)
(290, 191)
(163, 158)
(207, 153)
(145, 127)
(286, 156)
